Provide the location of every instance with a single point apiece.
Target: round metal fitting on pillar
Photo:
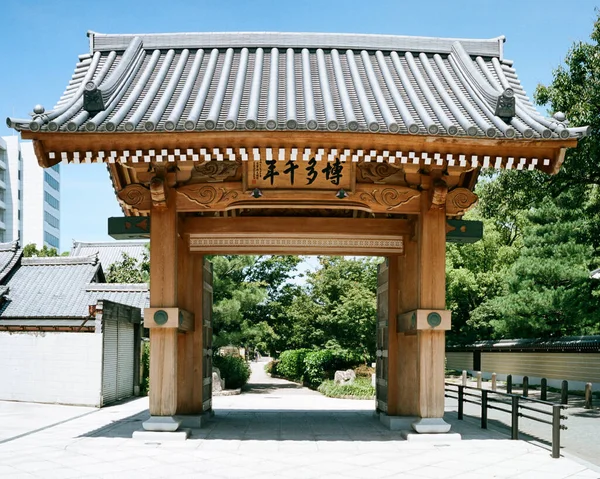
(434, 319)
(161, 317)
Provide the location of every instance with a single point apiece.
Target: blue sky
(40, 41)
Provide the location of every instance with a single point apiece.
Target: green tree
(129, 270)
(31, 250)
(337, 307)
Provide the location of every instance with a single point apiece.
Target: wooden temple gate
(297, 144)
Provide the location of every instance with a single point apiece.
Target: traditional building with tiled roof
(89, 350)
(298, 143)
(110, 252)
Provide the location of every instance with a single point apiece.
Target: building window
(56, 167)
(19, 215)
(51, 220)
(18, 195)
(19, 175)
(1, 236)
(2, 174)
(51, 200)
(2, 194)
(51, 181)
(2, 215)
(51, 239)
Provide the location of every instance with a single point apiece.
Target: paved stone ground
(582, 438)
(277, 429)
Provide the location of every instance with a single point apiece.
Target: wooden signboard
(299, 174)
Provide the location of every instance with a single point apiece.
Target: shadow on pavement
(296, 425)
(259, 388)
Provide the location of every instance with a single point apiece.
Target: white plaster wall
(62, 368)
(33, 198)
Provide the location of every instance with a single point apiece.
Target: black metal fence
(513, 404)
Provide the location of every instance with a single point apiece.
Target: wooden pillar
(190, 357)
(431, 285)
(417, 389)
(163, 294)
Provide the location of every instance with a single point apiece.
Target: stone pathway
(276, 429)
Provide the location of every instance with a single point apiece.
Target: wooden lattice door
(381, 385)
(207, 333)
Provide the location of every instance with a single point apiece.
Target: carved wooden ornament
(439, 192)
(158, 192)
(390, 198)
(135, 196)
(459, 200)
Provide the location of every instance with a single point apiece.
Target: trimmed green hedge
(312, 367)
(291, 364)
(234, 370)
(322, 365)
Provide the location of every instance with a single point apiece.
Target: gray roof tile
(50, 288)
(58, 291)
(110, 252)
(297, 81)
(10, 253)
(137, 295)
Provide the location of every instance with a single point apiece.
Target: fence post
(544, 393)
(464, 378)
(494, 385)
(514, 425)
(479, 379)
(556, 430)
(484, 403)
(525, 386)
(564, 392)
(588, 396)
(509, 384)
(461, 390)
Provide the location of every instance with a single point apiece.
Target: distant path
(262, 383)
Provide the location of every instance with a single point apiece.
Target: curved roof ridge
(124, 287)
(368, 41)
(10, 246)
(60, 260)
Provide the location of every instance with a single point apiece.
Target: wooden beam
(468, 147)
(242, 226)
(274, 235)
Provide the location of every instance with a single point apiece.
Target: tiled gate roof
(292, 81)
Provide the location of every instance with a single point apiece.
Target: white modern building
(29, 196)
(11, 189)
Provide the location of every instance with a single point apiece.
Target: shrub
(234, 370)
(361, 388)
(145, 382)
(291, 364)
(364, 371)
(321, 365)
(271, 367)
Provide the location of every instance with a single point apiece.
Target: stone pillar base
(193, 421)
(431, 425)
(397, 423)
(162, 424)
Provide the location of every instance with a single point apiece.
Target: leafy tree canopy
(31, 250)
